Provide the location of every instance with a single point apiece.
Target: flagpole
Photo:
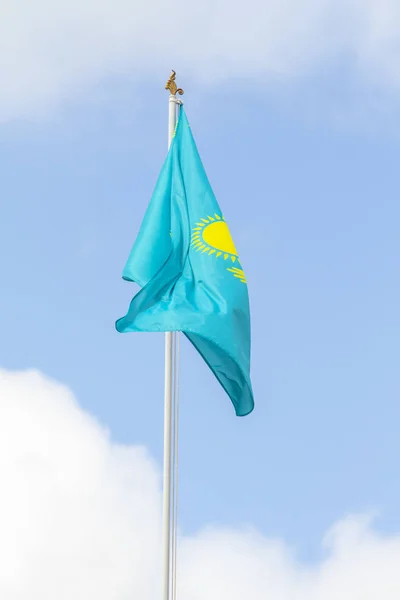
(170, 345)
(167, 465)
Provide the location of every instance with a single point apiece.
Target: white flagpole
(169, 443)
(167, 466)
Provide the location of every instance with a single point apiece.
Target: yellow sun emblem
(212, 236)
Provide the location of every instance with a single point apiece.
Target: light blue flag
(187, 265)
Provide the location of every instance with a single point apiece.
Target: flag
(188, 268)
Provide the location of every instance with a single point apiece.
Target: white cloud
(79, 518)
(53, 50)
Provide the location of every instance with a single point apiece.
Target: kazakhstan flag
(188, 267)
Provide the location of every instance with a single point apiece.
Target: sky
(295, 113)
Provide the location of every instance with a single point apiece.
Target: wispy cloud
(51, 51)
(80, 518)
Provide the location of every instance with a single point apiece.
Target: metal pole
(168, 419)
(168, 396)
(175, 464)
(167, 465)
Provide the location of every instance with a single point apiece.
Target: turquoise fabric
(186, 263)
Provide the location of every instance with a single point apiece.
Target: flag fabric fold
(189, 271)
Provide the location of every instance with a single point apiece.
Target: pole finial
(172, 87)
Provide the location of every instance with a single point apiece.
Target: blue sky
(315, 214)
(309, 186)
